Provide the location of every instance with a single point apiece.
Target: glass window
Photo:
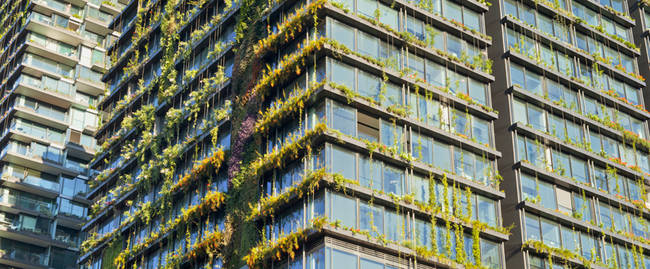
(528, 187)
(536, 118)
(369, 86)
(588, 246)
(490, 254)
(454, 45)
(344, 209)
(371, 219)
(394, 226)
(487, 211)
(547, 193)
(388, 16)
(367, 8)
(391, 135)
(453, 10)
(341, 259)
(368, 45)
(472, 19)
(532, 227)
(435, 74)
(370, 173)
(442, 156)
(477, 91)
(481, 131)
(344, 163)
(510, 8)
(393, 179)
(343, 74)
(551, 233)
(570, 240)
(420, 188)
(579, 170)
(343, 34)
(344, 119)
(370, 264)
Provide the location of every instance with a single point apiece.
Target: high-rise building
(53, 57)
(297, 134)
(574, 132)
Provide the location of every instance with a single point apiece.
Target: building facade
(574, 125)
(297, 134)
(53, 55)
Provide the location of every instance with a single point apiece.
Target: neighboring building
(573, 125)
(378, 133)
(53, 57)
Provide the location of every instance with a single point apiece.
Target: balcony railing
(25, 228)
(28, 203)
(35, 151)
(24, 256)
(50, 85)
(35, 181)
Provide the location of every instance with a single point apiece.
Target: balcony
(55, 92)
(38, 66)
(42, 24)
(12, 200)
(48, 6)
(22, 257)
(89, 81)
(98, 21)
(35, 156)
(27, 183)
(113, 7)
(52, 50)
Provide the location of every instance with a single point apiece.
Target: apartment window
(343, 74)
(441, 149)
(605, 216)
(532, 228)
(371, 219)
(342, 259)
(343, 119)
(550, 233)
(343, 33)
(393, 179)
(528, 187)
(388, 16)
(347, 216)
(422, 148)
(420, 188)
(344, 163)
(536, 117)
(391, 135)
(547, 191)
(370, 173)
(564, 201)
(487, 211)
(368, 45)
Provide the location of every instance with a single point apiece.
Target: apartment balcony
(41, 117)
(89, 82)
(33, 66)
(43, 161)
(20, 204)
(23, 259)
(60, 95)
(24, 233)
(44, 25)
(113, 7)
(78, 150)
(51, 51)
(98, 24)
(31, 184)
(53, 6)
